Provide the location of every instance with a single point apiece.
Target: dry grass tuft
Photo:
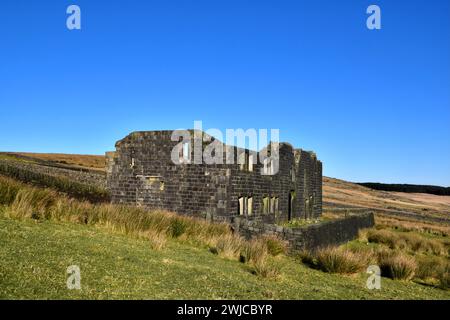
(275, 245)
(428, 267)
(228, 246)
(31, 204)
(254, 251)
(362, 235)
(336, 260)
(158, 240)
(257, 254)
(266, 269)
(444, 276)
(384, 237)
(421, 244)
(397, 266)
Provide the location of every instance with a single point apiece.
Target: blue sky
(374, 105)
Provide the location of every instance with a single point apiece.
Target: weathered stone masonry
(141, 172)
(310, 236)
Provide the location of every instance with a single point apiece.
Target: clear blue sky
(374, 105)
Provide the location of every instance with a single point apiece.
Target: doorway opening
(290, 204)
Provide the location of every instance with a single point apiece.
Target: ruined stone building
(141, 172)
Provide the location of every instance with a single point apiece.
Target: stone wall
(312, 236)
(141, 172)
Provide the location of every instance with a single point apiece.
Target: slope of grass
(130, 253)
(339, 194)
(22, 201)
(34, 257)
(62, 184)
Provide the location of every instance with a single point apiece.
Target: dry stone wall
(310, 236)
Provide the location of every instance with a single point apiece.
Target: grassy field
(339, 194)
(35, 255)
(128, 252)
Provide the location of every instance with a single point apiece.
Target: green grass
(132, 253)
(297, 223)
(34, 256)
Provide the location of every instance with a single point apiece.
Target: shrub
(397, 266)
